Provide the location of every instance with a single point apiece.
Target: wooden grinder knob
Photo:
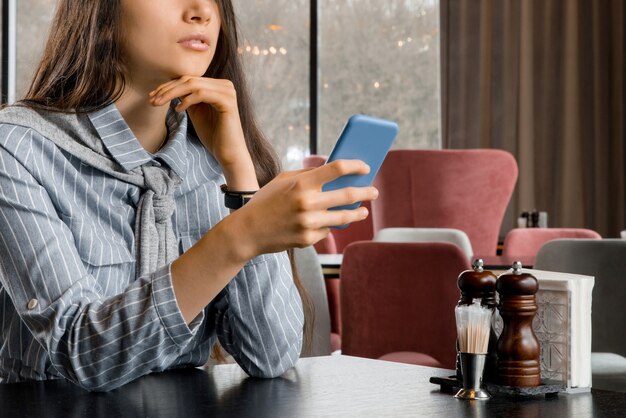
(518, 348)
(479, 283)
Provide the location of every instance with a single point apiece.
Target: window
(33, 21)
(379, 58)
(275, 48)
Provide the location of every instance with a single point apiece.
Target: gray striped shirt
(70, 304)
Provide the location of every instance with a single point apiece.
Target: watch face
(235, 200)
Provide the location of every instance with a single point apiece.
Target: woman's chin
(189, 70)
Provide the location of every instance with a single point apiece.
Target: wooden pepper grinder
(480, 284)
(518, 348)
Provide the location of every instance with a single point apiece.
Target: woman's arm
(290, 211)
(260, 318)
(97, 342)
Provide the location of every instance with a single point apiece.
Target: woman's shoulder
(19, 139)
(18, 115)
(15, 125)
(17, 120)
(8, 131)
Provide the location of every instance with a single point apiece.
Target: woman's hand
(212, 107)
(292, 211)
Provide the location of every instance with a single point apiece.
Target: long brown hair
(83, 70)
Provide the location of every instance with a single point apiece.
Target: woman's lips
(195, 45)
(195, 42)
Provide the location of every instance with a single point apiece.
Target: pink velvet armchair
(526, 242)
(462, 189)
(398, 299)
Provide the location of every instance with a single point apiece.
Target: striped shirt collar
(121, 143)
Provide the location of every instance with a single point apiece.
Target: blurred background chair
(398, 299)
(450, 235)
(526, 242)
(338, 239)
(311, 274)
(467, 190)
(605, 260)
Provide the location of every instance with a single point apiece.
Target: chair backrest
(467, 190)
(400, 297)
(310, 271)
(450, 235)
(526, 242)
(605, 260)
(340, 238)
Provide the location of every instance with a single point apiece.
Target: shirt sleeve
(260, 317)
(98, 343)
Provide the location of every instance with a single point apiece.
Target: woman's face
(167, 39)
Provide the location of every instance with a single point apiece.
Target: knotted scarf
(155, 241)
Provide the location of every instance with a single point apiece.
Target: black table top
(323, 386)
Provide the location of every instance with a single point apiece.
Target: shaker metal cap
(517, 267)
(478, 265)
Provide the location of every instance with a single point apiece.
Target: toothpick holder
(472, 366)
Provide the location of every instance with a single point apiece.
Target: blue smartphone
(363, 138)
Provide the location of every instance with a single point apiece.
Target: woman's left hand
(212, 106)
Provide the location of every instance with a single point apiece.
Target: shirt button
(32, 304)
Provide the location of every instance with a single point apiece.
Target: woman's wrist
(240, 176)
(197, 278)
(236, 235)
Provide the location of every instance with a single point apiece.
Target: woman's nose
(199, 11)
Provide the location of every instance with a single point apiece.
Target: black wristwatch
(235, 199)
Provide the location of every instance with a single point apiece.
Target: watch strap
(235, 199)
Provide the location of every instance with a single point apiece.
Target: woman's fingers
(342, 217)
(336, 169)
(185, 86)
(313, 221)
(172, 92)
(213, 98)
(163, 87)
(334, 198)
(221, 99)
(295, 212)
(347, 196)
(293, 173)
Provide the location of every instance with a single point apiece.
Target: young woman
(118, 254)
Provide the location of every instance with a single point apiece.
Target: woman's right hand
(292, 211)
